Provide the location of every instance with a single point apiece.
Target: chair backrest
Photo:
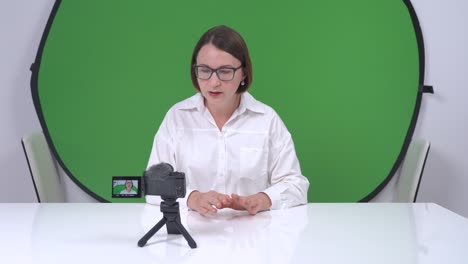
(407, 185)
(43, 169)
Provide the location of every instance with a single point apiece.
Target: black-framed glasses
(224, 73)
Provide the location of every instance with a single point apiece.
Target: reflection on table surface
(321, 233)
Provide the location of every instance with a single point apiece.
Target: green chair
(407, 184)
(43, 168)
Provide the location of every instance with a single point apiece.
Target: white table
(315, 233)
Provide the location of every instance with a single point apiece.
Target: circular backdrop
(343, 76)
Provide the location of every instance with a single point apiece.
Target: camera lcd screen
(126, 187)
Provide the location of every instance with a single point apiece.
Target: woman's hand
(253, 203)
(207, 202)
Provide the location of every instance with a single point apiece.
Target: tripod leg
(186, 234)
(150, 233)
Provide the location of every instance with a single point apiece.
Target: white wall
(443, 119)
(444, 115)
(21, 26)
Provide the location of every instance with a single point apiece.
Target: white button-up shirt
(253, 152)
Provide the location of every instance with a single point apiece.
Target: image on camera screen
(126, 187)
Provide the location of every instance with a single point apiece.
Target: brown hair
(228, 40)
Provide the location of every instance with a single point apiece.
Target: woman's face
(216, 92)
(128, 185)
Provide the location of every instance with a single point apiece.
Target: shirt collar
(194, 102)
(248, 102)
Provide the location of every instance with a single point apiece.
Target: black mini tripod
(171, 217)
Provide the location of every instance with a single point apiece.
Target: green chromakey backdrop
(345, 77)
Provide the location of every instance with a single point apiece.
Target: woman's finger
(213, 200)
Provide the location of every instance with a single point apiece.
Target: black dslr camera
(162, 180)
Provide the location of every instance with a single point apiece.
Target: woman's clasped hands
(210, 202)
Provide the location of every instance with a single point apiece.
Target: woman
(128, 188)
(235, 151)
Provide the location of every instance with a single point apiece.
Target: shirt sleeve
(163, 150)
(288, 186)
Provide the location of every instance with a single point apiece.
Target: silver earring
(242, 83)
